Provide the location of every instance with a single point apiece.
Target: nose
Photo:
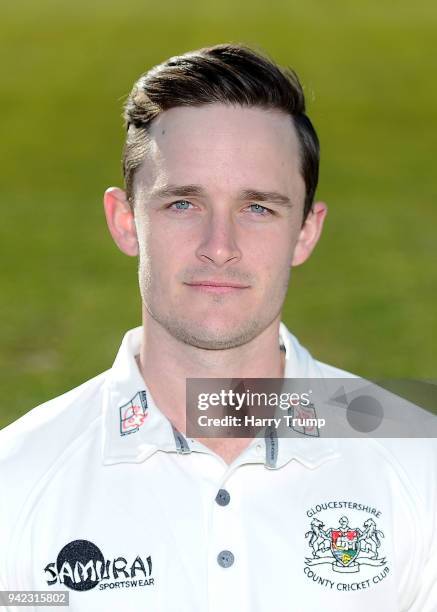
(219, 242)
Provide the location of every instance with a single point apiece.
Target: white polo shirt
(101, 497)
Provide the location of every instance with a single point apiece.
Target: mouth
(212, 286)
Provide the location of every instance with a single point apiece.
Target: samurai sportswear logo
(81, 566)
(344, 549)
(133, 414)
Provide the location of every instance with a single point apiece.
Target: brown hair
(227, 74)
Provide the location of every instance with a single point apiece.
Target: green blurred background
(364, 302)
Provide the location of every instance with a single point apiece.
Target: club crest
(346, 548)
(345, 544)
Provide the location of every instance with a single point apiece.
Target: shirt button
(225, 558)
(223, 498)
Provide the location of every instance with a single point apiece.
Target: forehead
(223, 147)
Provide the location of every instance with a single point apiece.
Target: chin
(214, 336)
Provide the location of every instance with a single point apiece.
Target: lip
(213, 286)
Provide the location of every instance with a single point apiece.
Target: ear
(310, 233)
(120, 219)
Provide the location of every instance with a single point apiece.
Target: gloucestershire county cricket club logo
(344, 547)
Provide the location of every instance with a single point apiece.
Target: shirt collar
(134, 428)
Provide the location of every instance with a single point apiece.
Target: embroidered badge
(133, 414)
(344, 548)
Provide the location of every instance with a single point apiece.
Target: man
(103, 494)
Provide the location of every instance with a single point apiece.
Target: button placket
(225, 558)
(226, 553)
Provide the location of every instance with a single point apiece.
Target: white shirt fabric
(121, 511)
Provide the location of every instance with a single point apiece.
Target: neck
(166, 363)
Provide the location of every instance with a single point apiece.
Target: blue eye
(181, 205)
(257, 208)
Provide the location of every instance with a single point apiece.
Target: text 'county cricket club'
(345, 542)
(81, 566)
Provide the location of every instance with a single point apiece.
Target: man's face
(218, 210)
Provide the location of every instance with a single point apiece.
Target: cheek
(272, 255)
(162, 258)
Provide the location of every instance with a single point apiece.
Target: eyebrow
(266, 196)
(186, 191)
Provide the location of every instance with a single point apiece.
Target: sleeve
(11, 492)
(425, 592)
(3, 566)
